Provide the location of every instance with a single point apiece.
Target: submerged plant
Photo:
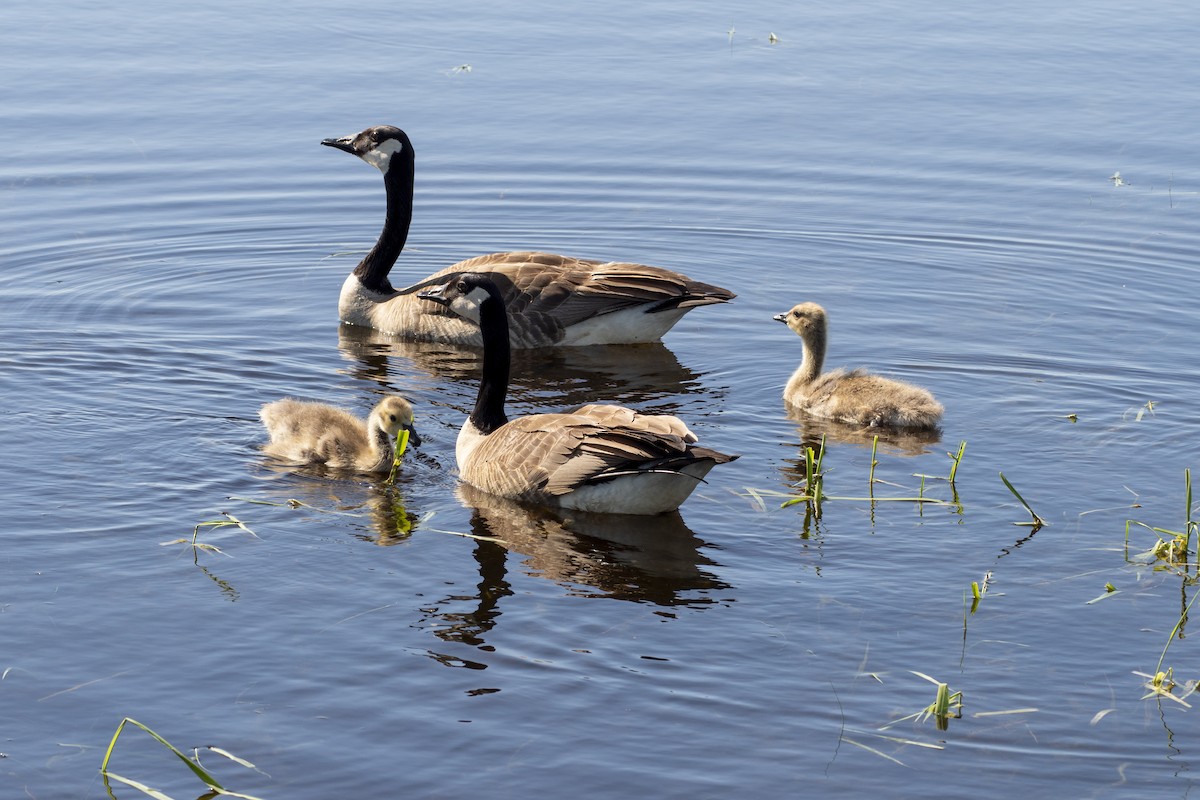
(230, 520)
(814, 480)
(1173, 547)
(214, 786)
(944, 706)
(979, 589)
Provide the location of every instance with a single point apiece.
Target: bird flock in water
(597, 458)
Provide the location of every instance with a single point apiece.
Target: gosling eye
(392, 417)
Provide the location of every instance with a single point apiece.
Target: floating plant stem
(1037, 521)
(230, 520)
(1174, 631)
(214, 786)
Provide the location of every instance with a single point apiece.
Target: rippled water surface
(998, 203)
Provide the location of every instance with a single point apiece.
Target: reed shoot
(957, 458)
(944, 706)
(1037, 522)
(229, 521)
(401, 446)
(214, 786)
(874, 464)
(1175, 548)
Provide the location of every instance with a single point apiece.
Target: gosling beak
(413, 438)
(345, 143)
(780, 318)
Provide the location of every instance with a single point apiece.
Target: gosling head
(463, 294)
(396, 414)
(804, 318)
(376, 145)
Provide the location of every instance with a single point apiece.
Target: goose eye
(392, 417)
(461, 287)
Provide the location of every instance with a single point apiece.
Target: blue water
(172, 240)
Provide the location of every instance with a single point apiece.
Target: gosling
(315, 433)
(854, 397)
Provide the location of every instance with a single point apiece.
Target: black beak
(780, 318)
(437, 294)
(345, 143)
(413, 438)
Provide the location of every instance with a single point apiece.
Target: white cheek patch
(466, 306)
(381, 156)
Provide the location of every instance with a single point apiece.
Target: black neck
(373, 270)
(493, 386)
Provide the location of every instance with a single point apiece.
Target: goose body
(315, 433)
(856, 397)
(598, 458)
(551, 299)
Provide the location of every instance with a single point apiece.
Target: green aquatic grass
(945, 705)
(215, 789)
(196, 545)
(978, 590)
(814, 495)
(1037, 522)
(814, 480)
(401, 446)
(1173, 547)
(956, 457)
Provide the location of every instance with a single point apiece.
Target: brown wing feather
(557, 291)
(553, 454)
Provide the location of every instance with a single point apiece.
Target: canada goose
(607, 459)
(551, 299)
(855, 397)
(316, 433)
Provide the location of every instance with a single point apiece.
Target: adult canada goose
(551, 299)
(316, 433)
(854, 397)
(607, 459)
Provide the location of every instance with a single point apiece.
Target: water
(173, 239)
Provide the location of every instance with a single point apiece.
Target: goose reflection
(653, 560)
(564, 377)
(907, 442)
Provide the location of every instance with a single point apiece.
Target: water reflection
(891, 440)
(346, 493)
(653, 559)
(642, 559)
(568, 377)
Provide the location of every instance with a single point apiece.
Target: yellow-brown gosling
(855, 397)
(314, 433)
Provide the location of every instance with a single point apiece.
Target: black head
(376, 145)
(465, 294)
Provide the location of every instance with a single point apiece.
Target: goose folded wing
(574, 289)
